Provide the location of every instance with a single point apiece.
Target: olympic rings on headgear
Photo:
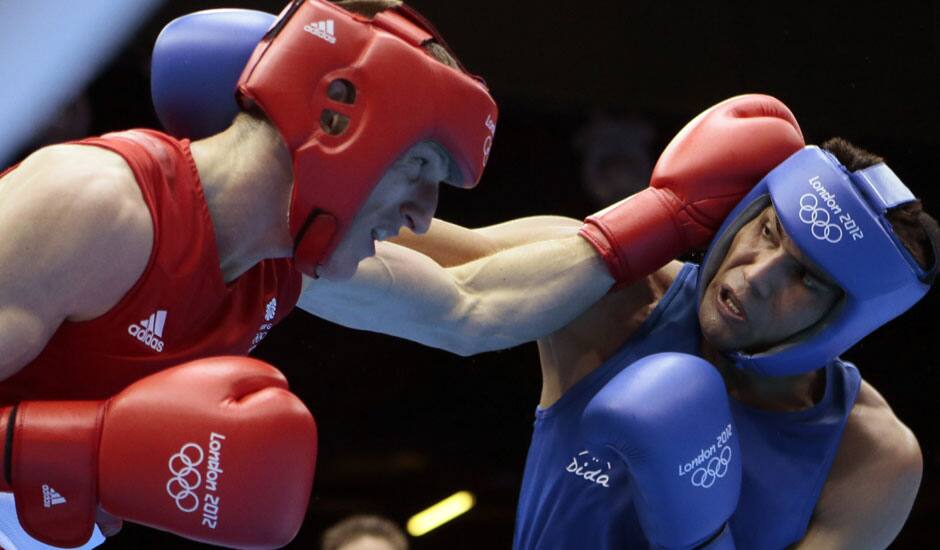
(819, 218)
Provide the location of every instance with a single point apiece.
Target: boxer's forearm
(451, 245)
(501, 300)
(528, 292)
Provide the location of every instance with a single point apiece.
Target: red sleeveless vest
(180, 309)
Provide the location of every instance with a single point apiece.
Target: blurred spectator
(616, 157)
(364, 532)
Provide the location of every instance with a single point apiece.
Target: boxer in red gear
(539, 278)
(127, 254)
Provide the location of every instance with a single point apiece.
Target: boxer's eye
(766, 231)
(811, 282)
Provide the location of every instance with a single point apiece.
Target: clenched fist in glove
(705, 170)
(216, 450)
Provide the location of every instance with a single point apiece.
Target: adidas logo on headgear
(322, 29)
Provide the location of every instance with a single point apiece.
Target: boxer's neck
(772, 393)
(246, 178)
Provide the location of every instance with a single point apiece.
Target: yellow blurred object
(440, 513)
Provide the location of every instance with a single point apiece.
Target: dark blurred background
(589, 95)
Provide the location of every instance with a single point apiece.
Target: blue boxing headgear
(837, 219)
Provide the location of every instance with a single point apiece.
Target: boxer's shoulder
(624, 309)
(81, 206)
(873, 481)
(665, 276)
(74, 239)
(582, 345)
(873, 425)
(94, 177)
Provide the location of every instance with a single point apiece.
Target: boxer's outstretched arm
(522, 293)
(517, 282)
(74, 236)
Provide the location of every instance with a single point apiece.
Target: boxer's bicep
(399, 292)
(527, 292)
(70, 246)
(23, 334)
(872, 484)
(30, 307)
(501, 300)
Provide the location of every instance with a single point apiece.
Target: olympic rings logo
(186, 478)
(717, 468)
(819, 219)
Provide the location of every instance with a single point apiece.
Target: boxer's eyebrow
(801, 258)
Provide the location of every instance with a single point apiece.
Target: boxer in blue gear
(793, 398)
(824, 461)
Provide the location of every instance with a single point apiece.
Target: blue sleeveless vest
(574, 496)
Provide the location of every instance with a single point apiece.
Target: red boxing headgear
(402, 96)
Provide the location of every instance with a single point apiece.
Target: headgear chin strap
(401, 96)
(837, 219)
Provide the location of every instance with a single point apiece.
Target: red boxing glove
(701, 176)
(216, 450)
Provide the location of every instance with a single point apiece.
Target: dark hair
(370, 8)
(355, 527)
(854, 158)
(915, 228)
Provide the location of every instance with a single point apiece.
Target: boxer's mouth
(730, 305)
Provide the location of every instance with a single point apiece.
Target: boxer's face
(765, 290)
(406, 196)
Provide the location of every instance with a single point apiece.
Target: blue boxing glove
(667, 417)
(196, 62)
